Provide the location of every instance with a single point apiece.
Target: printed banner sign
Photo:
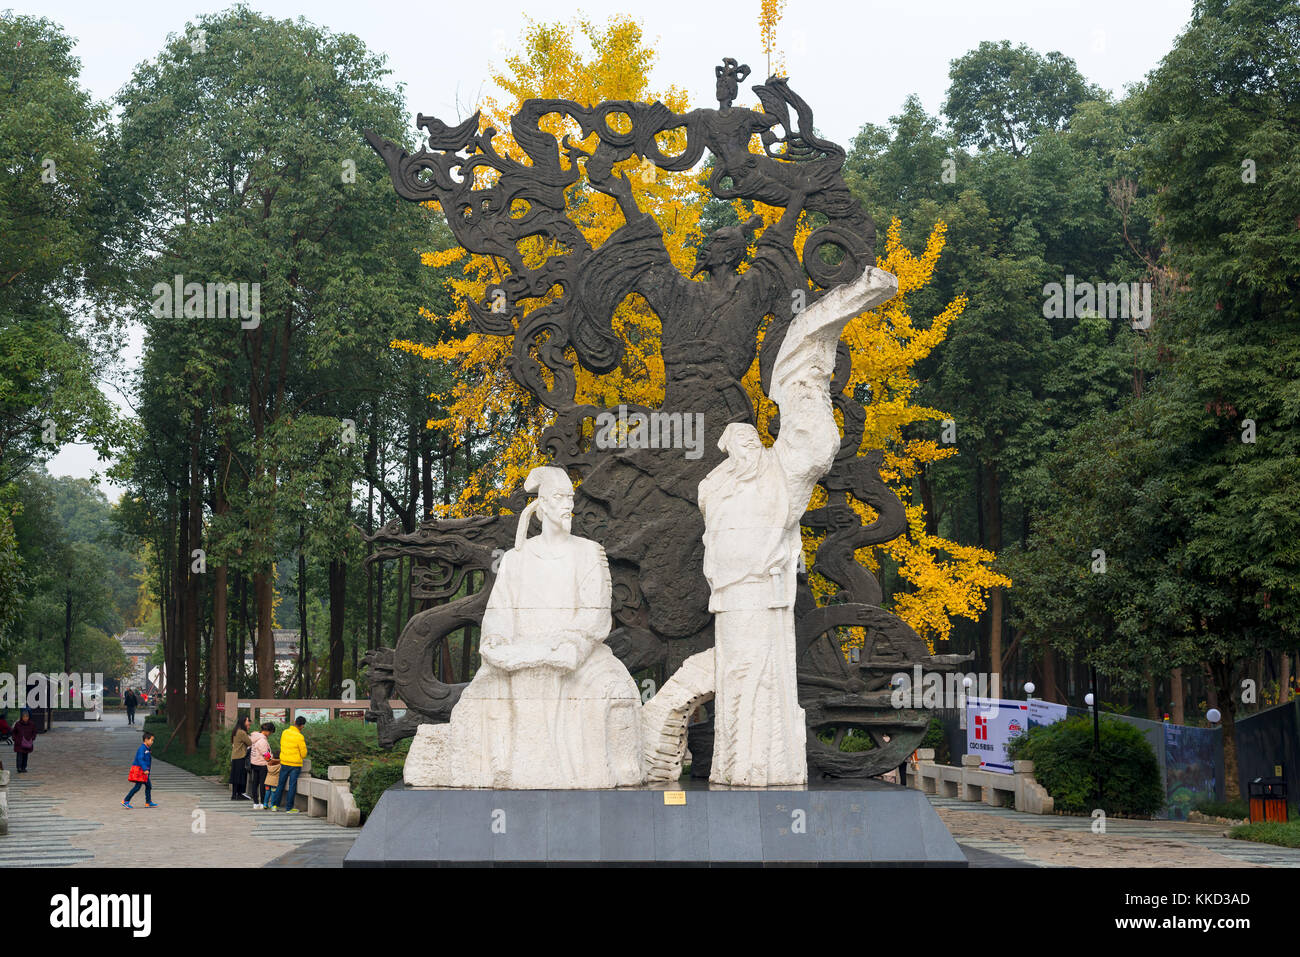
(1046, 712)
(990, 724)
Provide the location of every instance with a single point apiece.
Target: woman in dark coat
(239, 742)
(24, 735)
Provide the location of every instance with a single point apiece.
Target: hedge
(1064, 763)
(371, 777)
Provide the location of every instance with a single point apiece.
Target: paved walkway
(1049, 840)
(66, 810)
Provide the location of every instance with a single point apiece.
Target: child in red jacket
(139, 773)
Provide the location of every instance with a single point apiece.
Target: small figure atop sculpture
(550, 707)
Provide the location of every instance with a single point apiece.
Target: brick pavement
(66, 811)
(1049, 840)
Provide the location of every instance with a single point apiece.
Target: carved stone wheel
(850, 704)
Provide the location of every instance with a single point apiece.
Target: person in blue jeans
(293, 752)
(139, 773)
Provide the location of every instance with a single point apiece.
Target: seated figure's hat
(541, 480)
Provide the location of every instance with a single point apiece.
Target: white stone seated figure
(550, 706)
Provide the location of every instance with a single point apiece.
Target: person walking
(293, 752)
(139, 773)
(130, 700)
(258, 753)
(239, 742)
(24, 735)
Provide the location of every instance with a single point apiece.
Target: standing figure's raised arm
(801, 380)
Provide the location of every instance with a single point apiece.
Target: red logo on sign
(981, 728)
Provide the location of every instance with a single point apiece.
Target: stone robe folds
(752, 544)
(751, 554)
(550, 706)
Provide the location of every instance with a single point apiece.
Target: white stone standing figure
(752, 504)
(550, 706)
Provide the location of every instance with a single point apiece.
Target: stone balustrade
(970, 783)
(329, 797)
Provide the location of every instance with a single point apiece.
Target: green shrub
(934, 737)
(155, 719)
(1064, 764)
(340, 741)
(371, 777)
(1233, 809)
(1269, 832)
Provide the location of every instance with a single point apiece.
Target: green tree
(1003, 96)
(245, 141)
(55, 247)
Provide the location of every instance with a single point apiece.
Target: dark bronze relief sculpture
(640, 503)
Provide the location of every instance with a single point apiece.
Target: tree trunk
(219, 664)
(244, 630)
(180, 596)
(1177, 694)
(67, 631)
(1284, 680)
(379, 571)
(304, 649)
(398, 620)
(338, 581)
(192, 595)
(994, 526)
(1051, 690)
(1221, 697)
(371, 447)
(264, 645)
(426, 473)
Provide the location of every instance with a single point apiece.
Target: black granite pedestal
(838, 823)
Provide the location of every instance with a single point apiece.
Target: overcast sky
(854, 62)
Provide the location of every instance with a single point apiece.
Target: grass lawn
(1269, 832)
(197, 762)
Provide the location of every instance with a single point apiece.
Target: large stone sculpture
(640, 504)
(550, 707)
